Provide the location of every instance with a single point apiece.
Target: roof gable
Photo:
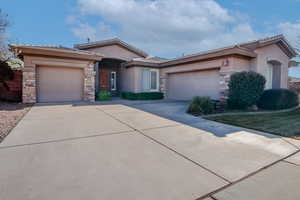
(278, 40)
(111, 42)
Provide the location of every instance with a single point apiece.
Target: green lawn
(285, 124)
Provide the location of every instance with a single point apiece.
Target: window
(269, 78)
(113, 81)
(153, 80)
(150, 80)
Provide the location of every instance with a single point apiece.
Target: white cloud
(291, 31)
(85, 31)
(163, 27)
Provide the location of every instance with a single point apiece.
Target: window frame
(157, 80)
(146, 80)
(113, 81)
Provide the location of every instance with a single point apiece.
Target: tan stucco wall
(132, 79)
(30, 69)
(128, 79)
(115, 51)
(268, 53)
(194, 66)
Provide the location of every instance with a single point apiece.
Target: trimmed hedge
(103, 96)
(277, 99)
(200, 106)
(245, 89)
(142, 95)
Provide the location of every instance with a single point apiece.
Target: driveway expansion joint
(169, 148)
(291, 163)
(65, 139)
(282, 138)
(146, 129)
(247, 176)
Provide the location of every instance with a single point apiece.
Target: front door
(104, 80)
(108, 80)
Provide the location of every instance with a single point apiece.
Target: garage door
(184, 86)
(55, 84)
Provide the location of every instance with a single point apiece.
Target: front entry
(109, 76)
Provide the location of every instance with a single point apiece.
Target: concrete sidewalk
(83, 151)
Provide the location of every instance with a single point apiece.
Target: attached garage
(186, 85)
(57, 74)
(56, 84)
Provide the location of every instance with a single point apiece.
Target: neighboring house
(65, 74)
(294, 84)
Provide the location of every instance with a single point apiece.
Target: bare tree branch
(4, 52)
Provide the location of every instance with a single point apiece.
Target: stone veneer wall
(29, 82)
(89, 83)
(163, 84)
(224, 80)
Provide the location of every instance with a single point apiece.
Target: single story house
(53, 74)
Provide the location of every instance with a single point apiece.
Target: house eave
(234, 51)
(60, 53)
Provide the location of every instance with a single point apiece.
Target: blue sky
(167, 28)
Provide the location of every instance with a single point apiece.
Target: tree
(6, 72)
(4, 52)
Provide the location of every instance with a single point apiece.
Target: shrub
(6, 74)
(276, 99)
(103, 96)
(245, 89)
(142, 95)
(200, 106)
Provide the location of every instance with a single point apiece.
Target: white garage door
(184, 86)
(55, 84)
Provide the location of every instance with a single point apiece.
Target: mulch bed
(10, 115)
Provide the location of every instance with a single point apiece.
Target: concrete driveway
(125, 152)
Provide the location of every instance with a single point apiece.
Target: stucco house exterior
(72, 74)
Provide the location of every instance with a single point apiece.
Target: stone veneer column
(89, 83)
(224, 80)
(225, 72)
(163, 83)
(29, 84)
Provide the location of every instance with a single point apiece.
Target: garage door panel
(184, 86)
(55, 84)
